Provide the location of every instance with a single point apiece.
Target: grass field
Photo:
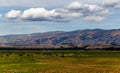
(59, 61)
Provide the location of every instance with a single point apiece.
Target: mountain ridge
(88, 36)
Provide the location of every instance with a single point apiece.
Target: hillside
(96, 36)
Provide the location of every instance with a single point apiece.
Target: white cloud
(1, 15)
(76, 5)
(68, 13)
(94, 18)
(90, 12)
(13, 14)
(41, 14)
(37, 14)
(112, 3)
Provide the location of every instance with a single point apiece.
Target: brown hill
(96, 36)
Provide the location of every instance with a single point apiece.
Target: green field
(59, 61)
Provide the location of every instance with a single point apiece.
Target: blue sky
(32, 16)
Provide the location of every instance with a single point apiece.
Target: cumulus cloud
(90, 12)
(13, 14)
(37, 14)
(68, 13)
(112, 3)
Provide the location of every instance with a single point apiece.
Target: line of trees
(113, 46)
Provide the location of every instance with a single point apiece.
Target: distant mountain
(96, 36)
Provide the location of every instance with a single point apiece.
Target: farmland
(59, 61)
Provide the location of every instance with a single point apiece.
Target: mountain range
(88, 36)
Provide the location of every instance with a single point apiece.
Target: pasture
(59, 61)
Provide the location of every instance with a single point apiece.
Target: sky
(34, 16)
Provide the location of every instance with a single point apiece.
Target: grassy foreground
(59, 61)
